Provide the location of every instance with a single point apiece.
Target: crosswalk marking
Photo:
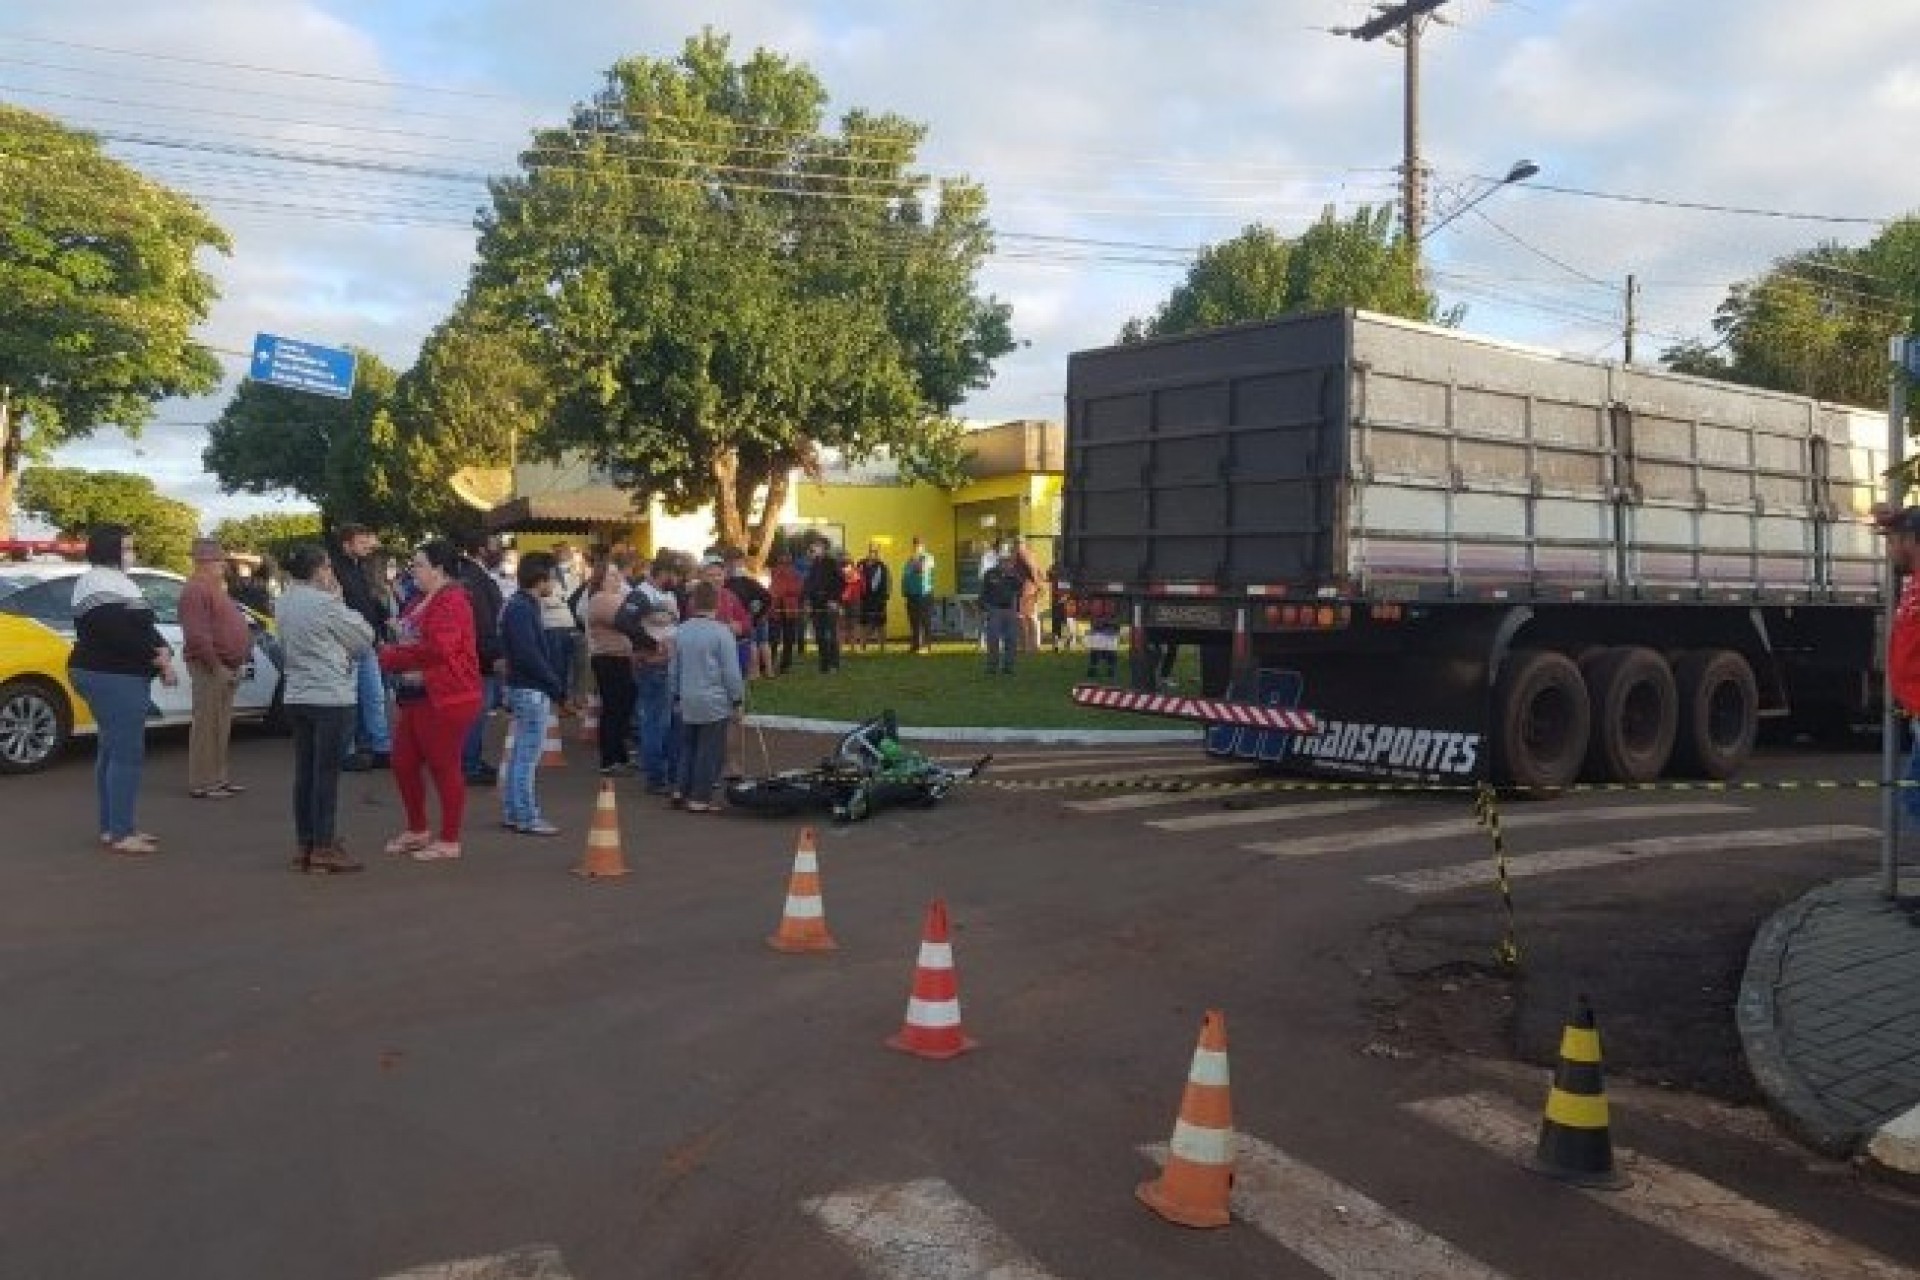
(922, 1230)
(1345, 1234)
(1376, 837)
(1265, 814)
(1481, 872)
(529, 1262)
(1683, 1204)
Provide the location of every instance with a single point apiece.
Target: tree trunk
(10, 453)
(765, 532)
(729, 513)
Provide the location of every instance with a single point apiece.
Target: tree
(335, 453)
(1817, 322)
(1259, 274)
(73, 500)
(719, 290)
(272, 533)
(99, 295)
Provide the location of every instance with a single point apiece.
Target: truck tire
(1636, 715)
(1719, 703)
(1540, 719)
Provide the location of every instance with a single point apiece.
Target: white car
(39, 710)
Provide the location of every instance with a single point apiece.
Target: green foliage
(332, 452)
(475, 392)
(73, 500)
(717, 288)
(1817, 323)
(99, 294)
(273, 533)
(1259, 274)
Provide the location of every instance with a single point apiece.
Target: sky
(345, 144)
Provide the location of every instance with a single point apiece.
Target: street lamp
(1520, 172)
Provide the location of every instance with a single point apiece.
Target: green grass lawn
(950, 687)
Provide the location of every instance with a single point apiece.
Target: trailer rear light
(1389, 613)
(1325, 616)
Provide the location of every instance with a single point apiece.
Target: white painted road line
(1157, 751)
(1481, 872)
(1138, 800)
(922, 1230)
(1378, 837)
(1266, 814)
(1896, 1144)
(1683, 1204)
(529, 1262)
(1330, 1224)
(1040, 766)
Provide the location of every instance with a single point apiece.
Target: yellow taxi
(39, 711)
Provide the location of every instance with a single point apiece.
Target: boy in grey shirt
(703, 676)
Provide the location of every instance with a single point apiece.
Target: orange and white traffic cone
(553, 752)
(603, 857)
(803, 925)
(932, 1028)
(1193, 1185)
(589, 730)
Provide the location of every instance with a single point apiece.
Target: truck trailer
(1474, 560)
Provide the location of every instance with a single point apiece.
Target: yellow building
(1014, 472)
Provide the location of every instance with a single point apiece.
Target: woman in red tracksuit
(438, 693)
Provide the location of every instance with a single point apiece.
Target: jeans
(471, 760)
(371, 729)
(613, 677)
(653, 704)
(320, 735)
(119, 705)
(1910, 795)
(528, 708)
(1002, 634)
(702, 749)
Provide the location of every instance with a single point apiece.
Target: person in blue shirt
(535, 689)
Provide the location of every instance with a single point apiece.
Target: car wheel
(35, 723)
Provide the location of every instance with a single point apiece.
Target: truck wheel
(1635, 715)
(1719, 703)
(1540, 718)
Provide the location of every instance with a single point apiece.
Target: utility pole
(1408, 18)
(1633, 293)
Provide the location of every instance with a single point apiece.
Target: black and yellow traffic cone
(1575, 1145)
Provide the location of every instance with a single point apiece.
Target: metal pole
(1633, 288)
(1412, 195)
(1891, 765)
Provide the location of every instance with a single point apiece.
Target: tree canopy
(99, 293)
(1356, 261)
(270, 439)
(1817, 323)
(272, 533)
(73, 500)
(719, 287)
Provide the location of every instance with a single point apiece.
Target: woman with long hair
(116, 654)
(438, 694)
(610, 650)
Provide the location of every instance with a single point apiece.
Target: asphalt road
(214, 1068)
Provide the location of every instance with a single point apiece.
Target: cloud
(1112, 137)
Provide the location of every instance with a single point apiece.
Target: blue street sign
(303, 366)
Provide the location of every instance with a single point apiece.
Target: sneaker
(409, 842)
(437, 851)
(539, 827)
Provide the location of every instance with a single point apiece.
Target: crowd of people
(397, 665)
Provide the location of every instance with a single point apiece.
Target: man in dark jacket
(1000, 602)
(353, 568)
(824, 583)
(484, 594)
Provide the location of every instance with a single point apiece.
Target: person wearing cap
(1903, 638)
(217, 644)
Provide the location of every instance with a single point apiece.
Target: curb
(1791, 1100)
(1044, 737)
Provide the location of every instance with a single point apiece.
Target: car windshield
(163, 593)
(50, 602)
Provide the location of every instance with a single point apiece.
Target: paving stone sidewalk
(1830, 1013)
